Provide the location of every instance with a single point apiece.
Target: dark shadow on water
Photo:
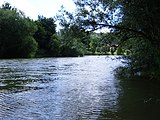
(16, 89)
(139, 100)
(15, 86)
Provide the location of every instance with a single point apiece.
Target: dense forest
(134, 32)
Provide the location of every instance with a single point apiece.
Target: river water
(80, 88)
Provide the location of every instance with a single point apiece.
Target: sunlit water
(57, 88)
(82, 88)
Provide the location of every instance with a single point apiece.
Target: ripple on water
(57, 88)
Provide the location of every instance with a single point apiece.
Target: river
(78, 88)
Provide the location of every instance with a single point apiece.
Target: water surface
(82, 88)
(57, 88)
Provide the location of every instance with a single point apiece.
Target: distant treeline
(21, 37)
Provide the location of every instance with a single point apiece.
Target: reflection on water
(57, 88)
(139, 99)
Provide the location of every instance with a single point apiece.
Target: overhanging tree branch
(118, 27)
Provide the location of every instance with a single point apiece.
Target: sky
(47, 8)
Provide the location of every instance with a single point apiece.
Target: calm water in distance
(82, 88)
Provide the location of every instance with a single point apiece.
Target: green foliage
(143, 40)
(134, 23)
(71, 41)
(46, 29)
(16, 32)
(93, 15)
(55, 45)
(28, 47)
(93, 43)
(67, 42)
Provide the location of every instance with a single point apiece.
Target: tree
(6, 6)
(71, 41)
(16, 34)
(142, 18)
(75, 40)
(46, 29)
(55, 45)
(129, 20)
